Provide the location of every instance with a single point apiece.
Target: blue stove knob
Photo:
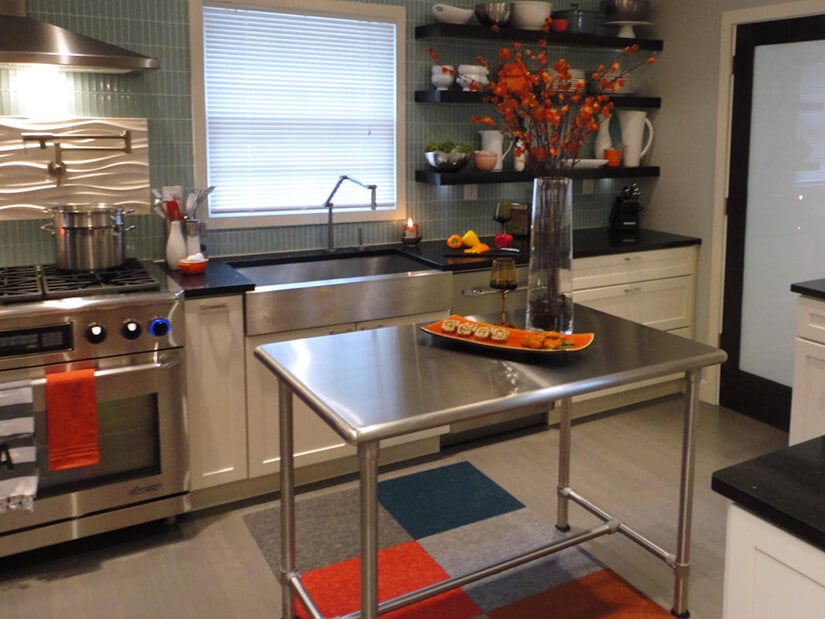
(159, 327)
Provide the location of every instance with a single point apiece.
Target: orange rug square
(600, 595)
(336, 589)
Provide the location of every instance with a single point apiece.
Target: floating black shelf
(460, 96)
(506, 33)
(474, 177)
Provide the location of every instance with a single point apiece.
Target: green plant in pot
(447, 156)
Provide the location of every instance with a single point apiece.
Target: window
(294, 96)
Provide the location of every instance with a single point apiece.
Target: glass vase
(550, 270)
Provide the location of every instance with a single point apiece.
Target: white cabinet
(808, 396)
(315, 442)
(655, 288)
(215, 390)
(770, 573)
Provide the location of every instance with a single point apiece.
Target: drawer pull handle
(478, 292)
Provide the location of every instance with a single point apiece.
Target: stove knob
(131, 330)
(95, 333)
(159, 327)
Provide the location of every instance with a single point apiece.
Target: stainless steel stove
(127, 325)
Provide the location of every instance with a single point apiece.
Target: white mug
(493, 140)
(633, 125)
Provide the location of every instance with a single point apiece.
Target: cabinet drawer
(811, 319)
(633, 267)
(664, 304)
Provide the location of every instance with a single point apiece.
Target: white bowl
(473, 69)
(442, 81)
(472, 82)
(530, 15)
(443, 68)
(451, 14)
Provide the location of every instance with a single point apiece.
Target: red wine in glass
(503, 279)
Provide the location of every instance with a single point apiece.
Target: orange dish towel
(71, 419)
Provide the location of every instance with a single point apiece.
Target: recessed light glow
(42, 91)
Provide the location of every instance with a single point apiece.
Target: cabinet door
(808, 394)
(639, 266)
(216, 404)
(664, 304)
(770, 573)
(314, 440)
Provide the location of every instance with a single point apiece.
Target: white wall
(687, 197)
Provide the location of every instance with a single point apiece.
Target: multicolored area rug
(440, 523)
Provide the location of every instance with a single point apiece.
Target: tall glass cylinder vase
(550, 270)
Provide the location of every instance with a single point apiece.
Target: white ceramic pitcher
(493, 140)
(633, 123)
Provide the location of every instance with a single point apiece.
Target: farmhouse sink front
(321, 290)
(330, 267)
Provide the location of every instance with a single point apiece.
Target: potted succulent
(447, 156)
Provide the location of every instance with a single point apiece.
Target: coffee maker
(624, 216)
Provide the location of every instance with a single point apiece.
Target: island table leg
(287, 482)
(368, 462)
(681, 569)
(565, 426)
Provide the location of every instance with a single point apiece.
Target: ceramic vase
(603, 139)
(550, 269)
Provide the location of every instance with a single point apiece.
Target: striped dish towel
(18, 455)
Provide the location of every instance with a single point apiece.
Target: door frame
(709, 389)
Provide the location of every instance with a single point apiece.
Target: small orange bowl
(558, 24)
(188, 267)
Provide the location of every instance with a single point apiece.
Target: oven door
(141, 436)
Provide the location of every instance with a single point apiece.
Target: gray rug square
(327, 530)
(476, 545)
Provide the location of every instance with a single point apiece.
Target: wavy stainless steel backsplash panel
(102, 172)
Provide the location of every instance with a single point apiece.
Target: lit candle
(411, 230)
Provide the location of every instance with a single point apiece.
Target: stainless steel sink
(319, 291)
(327, 269)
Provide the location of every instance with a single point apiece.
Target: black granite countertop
(813, 288)
(785, 488)
(220, 278)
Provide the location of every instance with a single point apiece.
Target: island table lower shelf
(373, 385)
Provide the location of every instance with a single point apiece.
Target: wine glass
(503, 279)
(502, 215)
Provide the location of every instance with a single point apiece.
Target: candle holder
(411, 240)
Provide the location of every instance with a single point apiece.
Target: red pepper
(502, 240)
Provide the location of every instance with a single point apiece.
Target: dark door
(776, 208)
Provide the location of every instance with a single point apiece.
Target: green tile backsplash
(160, 28)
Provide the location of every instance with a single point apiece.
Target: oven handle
(39, 382)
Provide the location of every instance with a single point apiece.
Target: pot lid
(25, 40)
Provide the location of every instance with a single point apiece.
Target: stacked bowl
(472, 77)
(530, 15)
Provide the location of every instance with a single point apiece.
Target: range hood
(26, 41)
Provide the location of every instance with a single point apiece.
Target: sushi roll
(499, 334)
(449, 325)
(483, 332)
(466, 328)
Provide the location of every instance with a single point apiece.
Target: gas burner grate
(19, 283)
(131, 276)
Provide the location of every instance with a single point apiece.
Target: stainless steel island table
(373, 385)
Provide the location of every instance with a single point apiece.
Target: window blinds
(293, 102)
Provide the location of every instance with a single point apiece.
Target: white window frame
(331, 8)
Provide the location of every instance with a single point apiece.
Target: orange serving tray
(577, 341)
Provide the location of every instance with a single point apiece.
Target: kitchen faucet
(328, 206)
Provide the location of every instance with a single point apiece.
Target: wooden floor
(207, 565)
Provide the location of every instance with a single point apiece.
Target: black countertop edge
(221, 278)
(813, 288)
(785, 488)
